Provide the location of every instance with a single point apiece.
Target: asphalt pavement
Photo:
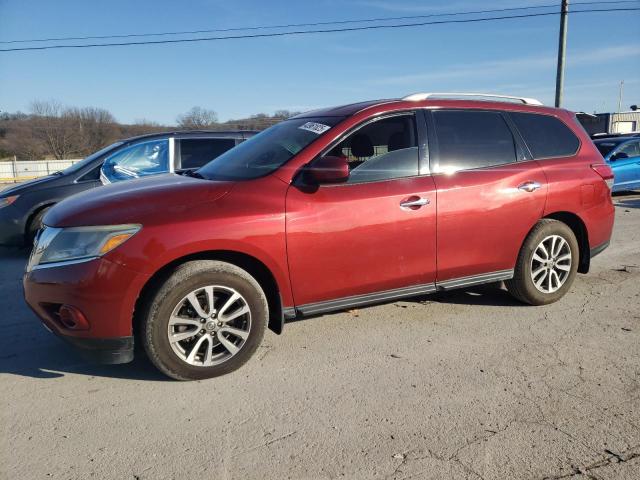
(465, 385)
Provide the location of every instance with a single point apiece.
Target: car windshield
(606, 147)
(78, 166)
(267, 151)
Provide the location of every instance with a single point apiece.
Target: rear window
(546, 136)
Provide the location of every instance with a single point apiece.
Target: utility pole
(620, 96)
(562, 46)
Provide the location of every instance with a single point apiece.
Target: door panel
(483, 217)
(355, 239)
(626, 172)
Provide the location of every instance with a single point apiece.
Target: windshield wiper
(191, 173)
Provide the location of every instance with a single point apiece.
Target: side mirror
(329, 169)
(619, 156)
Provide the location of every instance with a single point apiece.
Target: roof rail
(416, 97)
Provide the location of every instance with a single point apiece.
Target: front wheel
(34, 225)
(206, 320)
(546, 265)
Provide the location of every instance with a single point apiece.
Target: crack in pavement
(611, 459)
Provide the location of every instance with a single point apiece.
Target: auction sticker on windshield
(315, 127)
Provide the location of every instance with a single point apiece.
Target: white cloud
(500, 68)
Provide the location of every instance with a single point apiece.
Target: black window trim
(574, 154)
(423, 146)
(80, 179)
(522, 150)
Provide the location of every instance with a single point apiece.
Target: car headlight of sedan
(6, 201)
(55, 245)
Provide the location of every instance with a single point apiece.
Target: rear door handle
(529, 186)
(419, 202)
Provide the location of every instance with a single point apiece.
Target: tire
(217, 339)
(528, 267)
(34, 225)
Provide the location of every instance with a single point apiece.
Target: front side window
(139, 160)
(264, 153)
(546, 136)
(196, 152)
(605, 147)
(76, 167)
(631, 149)
(472, 139)
(381, 150)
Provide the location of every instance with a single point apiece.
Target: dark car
(325, 211)
(23, 206)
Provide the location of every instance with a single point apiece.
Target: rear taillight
(605, 172)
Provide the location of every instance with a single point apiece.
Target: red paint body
(336, 241)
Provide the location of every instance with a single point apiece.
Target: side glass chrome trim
(172, 155)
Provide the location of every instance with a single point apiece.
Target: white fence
(18, 171)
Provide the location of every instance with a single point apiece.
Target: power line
(303, 32)
(311, 24)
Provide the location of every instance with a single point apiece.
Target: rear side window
(472, 139)
(196, 152)
(545, 135)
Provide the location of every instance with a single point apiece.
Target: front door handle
(529, 186)
(414, 204)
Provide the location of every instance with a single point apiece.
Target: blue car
(623, 155)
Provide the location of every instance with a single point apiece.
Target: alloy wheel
(551, 264)
(209, 325)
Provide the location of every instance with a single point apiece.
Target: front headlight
(6, 201)
(54, 245)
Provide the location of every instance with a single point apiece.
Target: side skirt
(344, 303)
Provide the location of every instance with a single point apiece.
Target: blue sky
(242, 77)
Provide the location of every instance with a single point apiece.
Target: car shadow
(54, 359)
(628, 203)
(622, 199)
(28, 350)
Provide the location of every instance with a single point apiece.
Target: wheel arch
(250, 264)
(577, 225)
(32, 214)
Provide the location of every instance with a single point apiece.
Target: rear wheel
(206, 320)
(547, 264)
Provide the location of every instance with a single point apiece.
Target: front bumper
(104, 292)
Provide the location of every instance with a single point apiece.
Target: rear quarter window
(196, 152)
(546, 136)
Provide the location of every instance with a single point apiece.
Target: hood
(36, 182)
(145, 201)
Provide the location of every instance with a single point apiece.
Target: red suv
(325, 211)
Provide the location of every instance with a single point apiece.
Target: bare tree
(197, 118)
(51, 124)
(96, 127)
